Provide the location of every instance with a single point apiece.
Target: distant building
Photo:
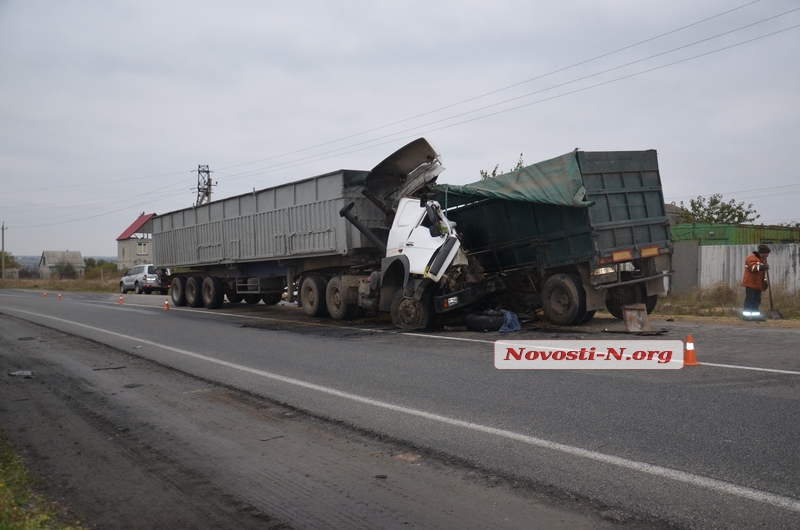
(54, 263)
(135, 244)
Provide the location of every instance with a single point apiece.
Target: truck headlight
(450, 302)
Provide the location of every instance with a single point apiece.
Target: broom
(773, 313)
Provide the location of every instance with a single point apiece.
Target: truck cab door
(423, 235)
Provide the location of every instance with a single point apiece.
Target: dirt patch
(122, 442)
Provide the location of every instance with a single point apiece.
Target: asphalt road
(709, 446)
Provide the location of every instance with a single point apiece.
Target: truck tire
(649, 301)
(251, 299)
(620, 296)
(479, 322)
(179, 291)
(587, 317)
(271, 298)
(409, 314)
(194, 291)
(336, 300)
(213, 292)
(234, 298)
(312, 296)
(564, 300)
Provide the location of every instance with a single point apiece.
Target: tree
(66, 271)
(496, 171)
(9, 260)
(716, 210)
(99, 268)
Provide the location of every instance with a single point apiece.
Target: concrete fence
(714, 264)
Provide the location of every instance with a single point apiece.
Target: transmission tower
(203, 185)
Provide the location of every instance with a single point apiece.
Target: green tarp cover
(556, 181)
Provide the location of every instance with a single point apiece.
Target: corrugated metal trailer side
(296, 220)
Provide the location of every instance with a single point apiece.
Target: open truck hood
(404, 173)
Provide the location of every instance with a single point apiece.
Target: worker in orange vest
(755, 282)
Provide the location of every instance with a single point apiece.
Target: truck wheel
(312, 296)
(589, 316)
(194, 291)
(649, 301)
(336, 299)
(251, 299)
(271, 298)
(213, 292)
(479, 322)
(410, 314)
(179, 291)
(620, 296)
(564, 300)
(234, 298)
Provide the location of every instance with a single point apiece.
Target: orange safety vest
(754, 272)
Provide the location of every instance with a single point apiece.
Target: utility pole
(3, 252)
(203, 185)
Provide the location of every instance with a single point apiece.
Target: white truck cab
(423, 234)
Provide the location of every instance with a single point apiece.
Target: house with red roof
(135, 244)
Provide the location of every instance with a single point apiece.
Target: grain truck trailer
(328, 235)
(568, 236)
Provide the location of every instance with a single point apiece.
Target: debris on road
(27, 374)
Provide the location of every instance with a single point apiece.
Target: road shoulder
(123, 442)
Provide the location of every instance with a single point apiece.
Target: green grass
(20, 507)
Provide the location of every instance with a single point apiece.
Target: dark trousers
(752, 299)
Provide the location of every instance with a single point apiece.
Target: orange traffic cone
(166, 304)
(44, 295)
(59, 296)
(689, 359)
(120, 299)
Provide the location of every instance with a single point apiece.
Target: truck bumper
(466, 297)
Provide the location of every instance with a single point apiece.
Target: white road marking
(739, 367)
(712, 484)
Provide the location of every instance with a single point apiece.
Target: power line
(383, 140)
(355, 147)
(492, 92)
(71, 186)
(755, 190)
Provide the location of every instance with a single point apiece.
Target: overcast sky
(108, 107)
